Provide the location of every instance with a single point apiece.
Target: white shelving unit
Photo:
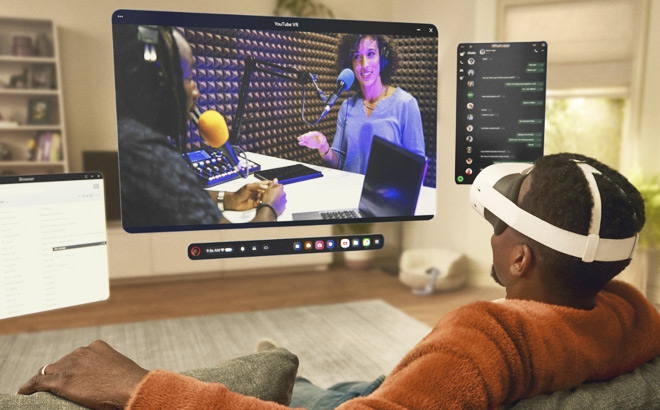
(32, 131)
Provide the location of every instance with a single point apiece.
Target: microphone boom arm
(251, 65)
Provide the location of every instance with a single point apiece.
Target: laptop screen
(53, 250)
(393, 180)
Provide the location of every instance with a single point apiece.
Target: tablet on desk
(289, 174)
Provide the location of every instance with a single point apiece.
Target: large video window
(273, 81)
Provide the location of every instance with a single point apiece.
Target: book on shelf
(46, 146)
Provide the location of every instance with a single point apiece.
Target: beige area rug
(337, 342)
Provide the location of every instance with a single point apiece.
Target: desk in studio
(336, 189)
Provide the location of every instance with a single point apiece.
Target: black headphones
(384, 57)
(148, 35)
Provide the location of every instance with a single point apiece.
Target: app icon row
(332, 244)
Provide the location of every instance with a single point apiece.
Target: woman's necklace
(371, 104)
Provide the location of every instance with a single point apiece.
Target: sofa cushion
(267, 375)
(639, 389)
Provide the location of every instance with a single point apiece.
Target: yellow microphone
(213, 128)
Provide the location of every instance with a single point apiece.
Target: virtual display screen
(500, 105)
(54, 249)
(300, 100)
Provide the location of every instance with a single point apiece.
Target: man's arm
(99, 377)
(162, 390)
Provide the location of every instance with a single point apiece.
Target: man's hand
(96, 376)
(275, 197)
(247, 197)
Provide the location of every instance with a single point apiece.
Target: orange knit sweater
(480, 356)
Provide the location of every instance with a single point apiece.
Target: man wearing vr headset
(570, 220)
(563, 229)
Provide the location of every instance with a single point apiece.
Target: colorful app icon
(331, 244)
(297, 246)
(308, 245)
(356, 242)
(345, 243)
(366, 242)
(319, 245)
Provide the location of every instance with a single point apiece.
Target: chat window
(500, 111)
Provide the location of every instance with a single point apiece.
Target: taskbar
(291, 246)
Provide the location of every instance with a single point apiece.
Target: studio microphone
(213, 128)
(344, 82)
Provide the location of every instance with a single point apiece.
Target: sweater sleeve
(163, 390)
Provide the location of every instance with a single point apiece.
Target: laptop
(392, 182)
(54, 248)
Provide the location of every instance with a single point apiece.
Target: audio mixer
(213, 167)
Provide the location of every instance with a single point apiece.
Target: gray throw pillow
(267, 375)
(639, 389)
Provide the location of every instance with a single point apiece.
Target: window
(592, 68)
(592, 126)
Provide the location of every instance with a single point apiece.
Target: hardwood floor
(132, 301)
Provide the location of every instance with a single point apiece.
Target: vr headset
(494, 194)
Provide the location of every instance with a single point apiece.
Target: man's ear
(522, 260)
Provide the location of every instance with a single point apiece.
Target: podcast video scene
(309, 161)
(324, 204)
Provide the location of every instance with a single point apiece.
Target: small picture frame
(38, 111)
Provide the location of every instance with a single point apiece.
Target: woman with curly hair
(377, 108)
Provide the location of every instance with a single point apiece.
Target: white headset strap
(588, 248)
(597, 210)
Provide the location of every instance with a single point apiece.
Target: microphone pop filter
(213, 128)
(347, 76)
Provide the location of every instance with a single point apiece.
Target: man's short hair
(559, 194)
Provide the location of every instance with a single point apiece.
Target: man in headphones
(563, 229)
(155, 94)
